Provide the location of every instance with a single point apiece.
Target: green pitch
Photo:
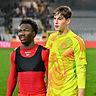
(91, 72)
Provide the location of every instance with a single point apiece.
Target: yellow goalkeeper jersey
(67, 64)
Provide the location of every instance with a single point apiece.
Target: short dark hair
(65, 11)
(32, 23)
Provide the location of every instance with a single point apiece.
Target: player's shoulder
(44, 50)
(78, 40)
(76, 37)
(14, 50)
(43, 47)
(52, 34)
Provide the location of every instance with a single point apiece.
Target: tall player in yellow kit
(67, 60)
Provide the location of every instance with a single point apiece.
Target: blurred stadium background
(83, 23)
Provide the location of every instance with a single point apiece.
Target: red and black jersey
(34, 63)
(29, 65)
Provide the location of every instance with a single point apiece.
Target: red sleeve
(12, 79)
(45, 57)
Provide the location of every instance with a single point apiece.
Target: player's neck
(27, 46)
(65, 31)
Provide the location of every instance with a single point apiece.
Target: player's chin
(57, 29)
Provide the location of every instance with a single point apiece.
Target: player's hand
(81, 92)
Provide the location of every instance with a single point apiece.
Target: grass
(91, 72)
(4, 70)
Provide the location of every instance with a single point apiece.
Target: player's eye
(61, 17)
(54, 18)
(24, 30)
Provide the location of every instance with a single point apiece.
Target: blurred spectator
(30, 12)
(13, 38)
(42, 13)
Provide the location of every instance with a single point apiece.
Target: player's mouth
(22, 38)
(56, 26)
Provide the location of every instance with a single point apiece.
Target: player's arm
(45, 58)
(12, 79)
(80, 59)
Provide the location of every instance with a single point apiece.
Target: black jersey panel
(33, 63)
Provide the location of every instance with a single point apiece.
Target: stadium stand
(83, 21)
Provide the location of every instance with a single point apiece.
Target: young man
(67, 59)
(29, 62)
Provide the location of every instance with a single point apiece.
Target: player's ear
(68, 21)
(34, 34)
